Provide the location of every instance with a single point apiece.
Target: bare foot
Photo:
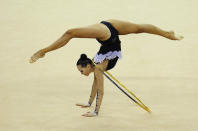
(36, 56)
(174, 36)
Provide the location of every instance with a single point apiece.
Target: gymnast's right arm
(92, 96)
(93, 92)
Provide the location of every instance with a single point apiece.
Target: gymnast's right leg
(92, 31)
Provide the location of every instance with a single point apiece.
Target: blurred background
(42, 96)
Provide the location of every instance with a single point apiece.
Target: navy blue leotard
(110, 49)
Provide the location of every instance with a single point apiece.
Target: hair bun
(83, 56)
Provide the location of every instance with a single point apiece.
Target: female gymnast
(107, 34)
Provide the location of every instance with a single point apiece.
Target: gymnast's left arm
(100, 93)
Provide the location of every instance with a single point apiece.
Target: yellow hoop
(141, 105)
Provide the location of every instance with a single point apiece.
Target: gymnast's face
(85, 70)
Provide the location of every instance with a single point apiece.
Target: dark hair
(84, 61)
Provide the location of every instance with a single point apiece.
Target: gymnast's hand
(37, 55)
(89, 114)
(83, 105)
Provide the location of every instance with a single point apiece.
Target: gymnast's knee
(140, 28)
(70, 33)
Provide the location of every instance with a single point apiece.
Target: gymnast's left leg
(125, 27)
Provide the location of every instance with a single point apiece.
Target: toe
(31, 60)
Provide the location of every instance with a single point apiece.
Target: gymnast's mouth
(86, 74)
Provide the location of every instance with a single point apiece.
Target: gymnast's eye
(81, 71)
